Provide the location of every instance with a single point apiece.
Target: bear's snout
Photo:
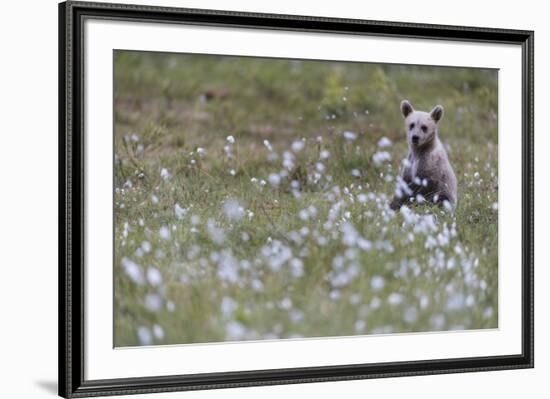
(415, 139)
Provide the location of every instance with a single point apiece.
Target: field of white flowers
(252, 201)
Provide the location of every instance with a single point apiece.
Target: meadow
(252, 200)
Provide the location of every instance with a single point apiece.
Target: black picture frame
(72, 383)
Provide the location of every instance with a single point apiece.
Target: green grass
(276, 274)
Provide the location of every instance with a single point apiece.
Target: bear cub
(427, 175)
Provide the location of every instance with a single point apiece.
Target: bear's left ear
(437, 113)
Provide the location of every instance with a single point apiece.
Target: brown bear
(427, 175)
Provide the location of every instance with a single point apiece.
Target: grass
(218, 240)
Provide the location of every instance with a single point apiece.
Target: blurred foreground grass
(251, 200)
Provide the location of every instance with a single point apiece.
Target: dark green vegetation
(229, 238)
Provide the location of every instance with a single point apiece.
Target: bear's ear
(406, 108)
(437, 113)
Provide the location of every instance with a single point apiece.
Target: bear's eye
(424, 128)
(411, 126)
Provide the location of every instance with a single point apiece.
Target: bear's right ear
(406, 108)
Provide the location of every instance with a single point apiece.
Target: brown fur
(427, 175)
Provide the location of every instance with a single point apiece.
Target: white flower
(350, 234)
(288, 160)
(274, 179)
(455, 302)
(424, 302)
(268, 145)
(356, 172)
(360, 326)
(395, 298)
(350, 136)
(324, 155)
(154, 277)
(201, 151)
(410, 315)
(228, 306)
(377, 283)
(153, 302)
(285, 304)
(133, 270)
(232, 172)
(296, 267)
(320, 167)
(437, 321)
(298, 145)
(231, 139)
(146, 246)
(165, 174)
(216, 234)
(154, 199)
(384, 142)
(164, 233)
(380, 157)
(228, 267)
(144, 336)
(235, 331)
(158, 332)
(180, 212)
(233, 210)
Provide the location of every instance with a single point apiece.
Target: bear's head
(421, 126)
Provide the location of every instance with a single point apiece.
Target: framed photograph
(251, 199)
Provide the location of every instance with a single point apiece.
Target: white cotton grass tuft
(233, 209)
(285, 304)
(230, 139)
(153, 302)
(377, 283)
(297, 145)
(144, 336)
(296, 267)
(360, 326)
(324, 155)
(380, 157)
(158, 332)
(216, 234)
(384, 142)
(164, 233)
(228, 267)
(235, 331)
(268, 145)
(228, 306)
(274, 179)
(133, 270)
(154, 277)
(165, 174)
(349, 136)
(146, 246)
(395, 298)
(180, 212)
